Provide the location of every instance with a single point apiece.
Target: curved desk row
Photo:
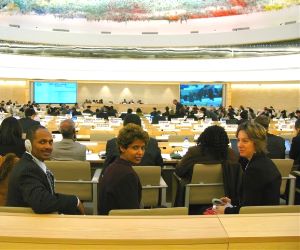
(261, 231)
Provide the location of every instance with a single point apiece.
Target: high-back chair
(103, 136)
(180, 138)
(149, 212)
(6, 209)
(74, 177)
(285, 166)
(152, 184)
(270, 209)
(206, 183)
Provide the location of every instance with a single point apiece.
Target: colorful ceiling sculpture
(137, 10)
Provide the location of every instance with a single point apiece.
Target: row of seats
(74, 177)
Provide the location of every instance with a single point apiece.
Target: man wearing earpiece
(68, 149)
(31, 184)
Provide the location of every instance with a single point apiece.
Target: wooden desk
(259, 231)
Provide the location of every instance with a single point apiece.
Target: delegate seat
(149, 212)
(153, 185)
(74, 177)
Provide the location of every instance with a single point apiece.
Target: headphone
(28, 146)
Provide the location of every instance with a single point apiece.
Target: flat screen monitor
(201, 94)
(54, 92)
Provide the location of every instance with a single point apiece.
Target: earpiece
(28, 146)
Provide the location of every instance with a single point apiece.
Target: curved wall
(230, 30)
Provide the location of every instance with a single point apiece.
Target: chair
(152, 183)
(270, 209)
(16, 210)
(74, 177)
(285, 166)
(206, 183)
(149, 212)
(104, 136)
(180, 138)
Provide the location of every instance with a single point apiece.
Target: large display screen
(54, 92)
(201, 94)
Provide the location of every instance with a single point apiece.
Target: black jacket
(29, 187)
(275, 146)
(295, 150)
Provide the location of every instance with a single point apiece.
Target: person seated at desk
(261, 179)
(88, 110)
(30, 120)
(31, 184)
(68, 149)
(275, 144)
(123, 115)
(212, 148)
(151, 157)
(158, 117)
(295, 146)
(120, 186)
(11, 137)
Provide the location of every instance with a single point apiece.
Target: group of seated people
(254, 179)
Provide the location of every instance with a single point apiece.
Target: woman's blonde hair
(256, 133)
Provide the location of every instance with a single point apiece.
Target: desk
(154, 232)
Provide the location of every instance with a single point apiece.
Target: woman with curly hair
(120, 185)
(212, 148)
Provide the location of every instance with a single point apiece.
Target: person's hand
(225, 200)
(81, 208)
(219, 209)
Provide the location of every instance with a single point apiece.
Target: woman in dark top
(212, 148)
(11, 137)
(120, 186)
(261, 179)
(295, 146)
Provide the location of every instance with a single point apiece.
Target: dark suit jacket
(29, 187)
(275, 146)
(27, 123)
(295, 150)
(120, 188)
(152, 156)
(260, 184)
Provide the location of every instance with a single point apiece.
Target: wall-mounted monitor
(201, 94)
(49, 92)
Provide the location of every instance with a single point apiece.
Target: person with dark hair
(275, 144)
(29, 120)
(244, 116)
(88, 110)
(212, 148)
(179, 109)
(11, 137)
(31, 184)
(68, 149)
(295, 146)
(120, 186)
(151, 157)
(123, 115)
(139, 112)
(261, 179)
(208, 114)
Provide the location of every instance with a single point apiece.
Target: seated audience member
(244, 117)
(158, 117)
(111, 111)
(151, 157)
(297, 113)
(31, 184)
(212, 148)
(7, 163)
(208, 114)
(275, 144)
(68, 149)
(123, 115)
(231, 119)
(139, 112)
(167, 112)
(29, 120)
(261, 179)
(154, 112)
(75, 111)
(88, 110)
(120, 187)
(11, 137)
(2, 108)
(295, 146)
(102, 113)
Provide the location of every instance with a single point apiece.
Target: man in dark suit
(28, 121)
(31, 184)
(275, 144)
(152, 156)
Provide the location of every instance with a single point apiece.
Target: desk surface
(215, 232)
